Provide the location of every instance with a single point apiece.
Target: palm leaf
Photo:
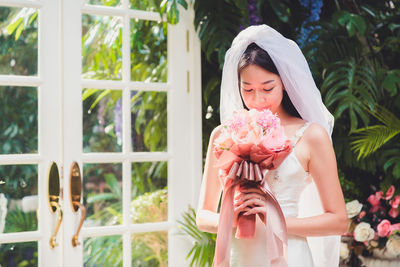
(348, 86)
(371, 138)
(202, 252)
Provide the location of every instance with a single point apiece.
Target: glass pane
(149, 121)
(19, 254)
(149, 192)
(148, 51)
(150, 249)
(104, 2)
(19, 123)
(19, 41)
(102, 194)
(102, 251)
(148, 5)
(101, 47)
(18, 198)
(102, 120)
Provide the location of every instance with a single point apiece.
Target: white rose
(344, 250)
(363, 232)
(393, 245)
(353, 208)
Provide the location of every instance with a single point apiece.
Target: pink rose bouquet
(249, 145)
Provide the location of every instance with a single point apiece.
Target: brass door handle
(75, 241)
(53, 242)
(53, 199)
(76, 191)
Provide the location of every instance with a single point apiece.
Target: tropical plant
(202, 252)
(350, 85)
(372, 138)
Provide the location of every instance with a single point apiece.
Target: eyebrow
(261, 83)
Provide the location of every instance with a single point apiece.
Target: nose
(259, 100)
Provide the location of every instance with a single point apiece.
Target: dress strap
(299, 133)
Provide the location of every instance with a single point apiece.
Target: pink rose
(275, 139)
(224, 139)
(395, 227)
(379, 194)
(362, 214)
(395, 202)
(389, 193)
(384, 228)
(374, 200)
(393, 212)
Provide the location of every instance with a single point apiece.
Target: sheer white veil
(306, 98)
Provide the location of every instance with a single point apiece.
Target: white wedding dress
(286, 183)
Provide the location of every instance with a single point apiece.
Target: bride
(263, 69)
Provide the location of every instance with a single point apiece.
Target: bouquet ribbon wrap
(246, 165)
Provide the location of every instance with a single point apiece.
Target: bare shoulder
(315, 134)
(215, 132)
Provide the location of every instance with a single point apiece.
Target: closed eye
(267, 90)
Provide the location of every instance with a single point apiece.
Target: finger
(252, 195)
(251, 203)
(255, 211)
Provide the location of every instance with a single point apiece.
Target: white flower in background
(209, 112)
(3, 211)
(363, 232)
(344, 250)
(353, 208)
(393, 245)
(29, 203)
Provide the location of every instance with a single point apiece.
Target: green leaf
(391, 82)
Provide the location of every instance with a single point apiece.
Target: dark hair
(255, 55)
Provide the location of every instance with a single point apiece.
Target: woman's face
(260, 88)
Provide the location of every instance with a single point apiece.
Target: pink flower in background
(374, 200)
(362, 214)
(379, 194)
(389, 193)
(384, 228)
(395, 202)
(394, 212)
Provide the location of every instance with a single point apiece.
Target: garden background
(353, 50)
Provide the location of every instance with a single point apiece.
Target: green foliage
(350, 84)
(148, 249)
(19, 254)
(19, 132)
(19, 41)
(202, 252)
(148, 177)
(353, 23)
(19, 180)
(19, 221)
(392, 82)
(217, 23)
(353, 58)
(372, 138)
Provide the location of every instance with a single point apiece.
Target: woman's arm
(206, 215)
(323, 169)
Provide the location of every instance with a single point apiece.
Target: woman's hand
(249, 200)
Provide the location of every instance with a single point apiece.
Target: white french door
(115, 102)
